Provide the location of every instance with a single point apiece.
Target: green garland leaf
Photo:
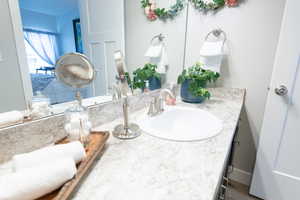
(145, 3)
(163, 13)
(202, 5)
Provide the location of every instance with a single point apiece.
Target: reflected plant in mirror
(146, 78)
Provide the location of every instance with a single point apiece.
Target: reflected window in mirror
(49, 33)
(41, 50)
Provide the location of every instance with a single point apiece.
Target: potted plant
(193, 83)
(144, 74)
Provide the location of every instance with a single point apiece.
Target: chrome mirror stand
(126, 130)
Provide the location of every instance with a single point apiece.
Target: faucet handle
(159, 104)
(173, 87)
(152, 110)
(170, 95)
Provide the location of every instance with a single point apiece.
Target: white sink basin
(181, 124)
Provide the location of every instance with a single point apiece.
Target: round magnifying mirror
(75, 70)
(121, 70)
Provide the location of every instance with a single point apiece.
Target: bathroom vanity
(146, 167)
(151, 168)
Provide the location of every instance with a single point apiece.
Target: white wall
(252, 30)
(12, 95)
(139, 32)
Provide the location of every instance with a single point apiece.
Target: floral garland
(152, 12)
(212, 5)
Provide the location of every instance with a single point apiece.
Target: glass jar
(40, 106)
(77, 124)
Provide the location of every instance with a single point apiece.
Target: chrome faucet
(157, 104)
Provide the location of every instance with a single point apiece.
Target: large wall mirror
(54, 28)
(46, 30)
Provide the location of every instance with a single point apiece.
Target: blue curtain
(44, 45)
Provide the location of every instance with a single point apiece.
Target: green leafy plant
(141, 75)
(198, 79)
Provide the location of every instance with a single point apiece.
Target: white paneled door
(277, 170)
(102, 23)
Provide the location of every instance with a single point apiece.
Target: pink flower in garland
(151, 15)
(147, 10)
(232, 2)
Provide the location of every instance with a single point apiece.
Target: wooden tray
(93, 150)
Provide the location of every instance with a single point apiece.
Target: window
(41, 49)
(34, 61)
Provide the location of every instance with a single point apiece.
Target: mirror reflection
(48, 34)
(45, 31)
(54, 28)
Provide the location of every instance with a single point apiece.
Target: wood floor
(237, 191)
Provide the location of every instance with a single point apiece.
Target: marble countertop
(150, 168)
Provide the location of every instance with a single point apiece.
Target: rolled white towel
(73, 150)
(29, 184)
(10, 118)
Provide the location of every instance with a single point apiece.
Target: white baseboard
(241, 176)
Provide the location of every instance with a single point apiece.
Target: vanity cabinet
(225, 182)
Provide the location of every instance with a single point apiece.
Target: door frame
(15, 16)
(285, 69)
(85, 25)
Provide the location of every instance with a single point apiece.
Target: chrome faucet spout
(162, 98)
(157, 104)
